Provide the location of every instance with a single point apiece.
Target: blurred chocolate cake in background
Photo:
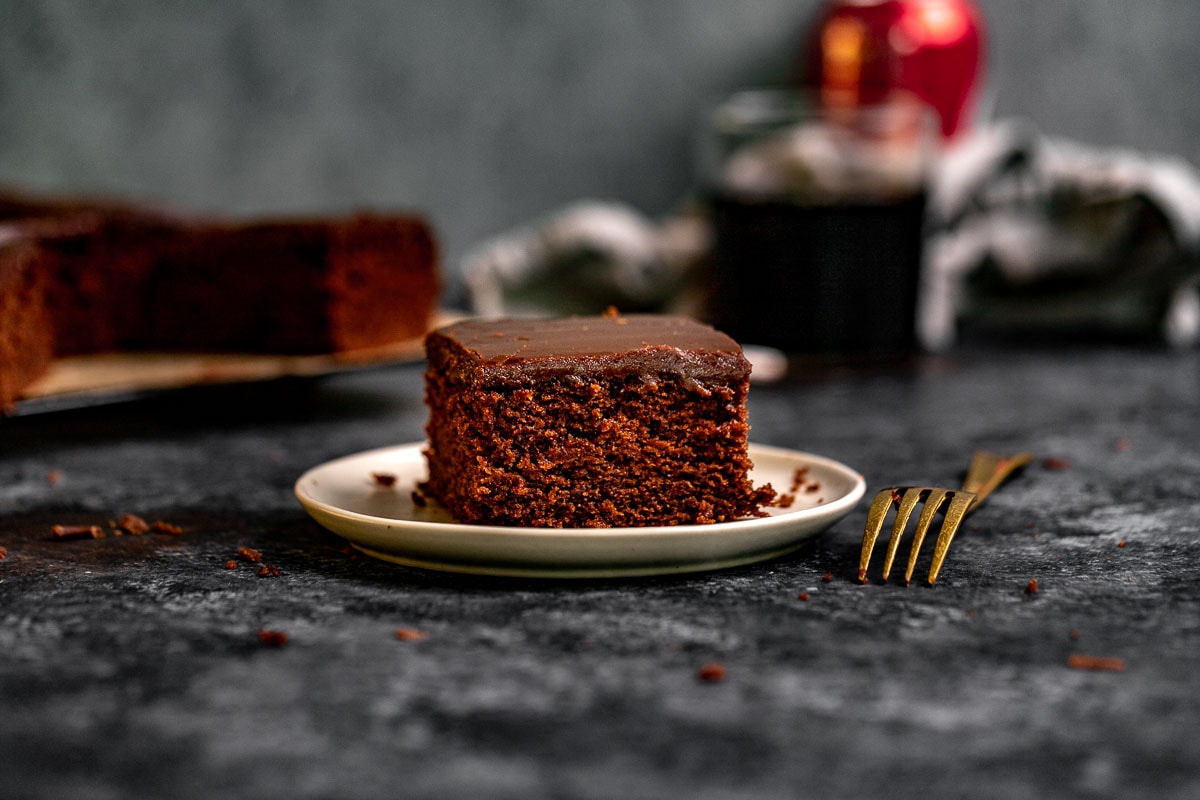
(81, 276)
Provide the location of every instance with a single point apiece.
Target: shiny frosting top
(590, 345)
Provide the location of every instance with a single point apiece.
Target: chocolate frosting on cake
(633, 344)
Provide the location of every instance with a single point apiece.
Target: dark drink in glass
(818, 219)
(839, 278)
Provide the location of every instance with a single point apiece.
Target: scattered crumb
(53, 477)
(269, 571)
(1123, 444)
(3, 553)
(231, 564)
(272, 638)
(970, 612)
(77, 531)
(712, 672)
(1032, 586)
(1077, 661)
(785, 501)
(410, 635)
(828, 577)
(249, 554)
(1074, 635)
(802, 596)
(385, 479)
(1121, 543)
(132, 524)
(1055, 464)
(798, 477)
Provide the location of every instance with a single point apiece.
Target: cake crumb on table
(77, 531)
(410, 635)
(1099, 663)
(249, 554)
(132, 524)
(712, 672)
(272, 638)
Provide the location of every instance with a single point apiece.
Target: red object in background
(860, 51)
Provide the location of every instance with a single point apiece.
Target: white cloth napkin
(1046, 234)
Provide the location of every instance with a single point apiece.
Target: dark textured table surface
(132, 666)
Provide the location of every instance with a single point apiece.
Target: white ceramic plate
(387, 523)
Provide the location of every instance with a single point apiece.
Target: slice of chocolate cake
(589, 422)
(26, 337)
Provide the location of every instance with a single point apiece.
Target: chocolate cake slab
(26, 340)
(117, 277)
(608, 421)
(293, 285)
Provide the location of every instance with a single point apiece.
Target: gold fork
(987, 471)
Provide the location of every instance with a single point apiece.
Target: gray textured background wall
(485, 113)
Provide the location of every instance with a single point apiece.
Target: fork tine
(907, 503)
(932, 504)
(960, 503)
(875, 516)
(906, 500)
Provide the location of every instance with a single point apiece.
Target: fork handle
(988, 470)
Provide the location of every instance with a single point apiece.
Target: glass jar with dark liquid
(818, 225)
